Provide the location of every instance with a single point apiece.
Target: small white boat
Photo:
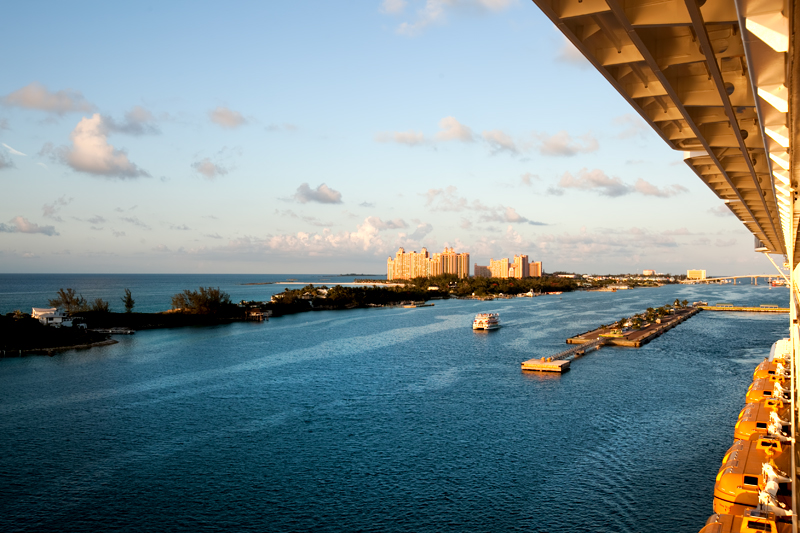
(486, 321)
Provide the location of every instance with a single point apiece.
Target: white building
(51, 316)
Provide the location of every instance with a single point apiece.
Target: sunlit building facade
(409, 265)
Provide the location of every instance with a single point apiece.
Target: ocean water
(384, 420)
(151, 292)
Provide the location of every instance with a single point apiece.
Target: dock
(605, 336)
(560, 362)
(743, 309)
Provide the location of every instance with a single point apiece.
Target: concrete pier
(597, 338)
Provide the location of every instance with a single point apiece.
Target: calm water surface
(384, 420)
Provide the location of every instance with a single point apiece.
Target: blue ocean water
(152, 292)
(384, 420)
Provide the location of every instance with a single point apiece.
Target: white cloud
(594, 180)
(562, 144)
(227, 118)
(569, 54)
(648, 189)
(20, 224)
(500, 142)
(393, 7)
(91, 153)
(322, 194)
(453, 130)
(15, 152)
(634, 126)
(527, 178)
(597, 180)
(721, 211)
(36, 96)
(209, 169)
(435, 12)
(397, 223)
(410, 138)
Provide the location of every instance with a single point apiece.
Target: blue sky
(318, 137)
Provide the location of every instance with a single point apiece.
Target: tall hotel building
(501, 268)
(420, 265)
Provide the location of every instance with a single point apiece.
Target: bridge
(752, 277)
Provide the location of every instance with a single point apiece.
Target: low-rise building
(51, 316)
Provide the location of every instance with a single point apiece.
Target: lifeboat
(750, 521)
(762, 418)
(764, 389)
(742, 479)
(774, 370)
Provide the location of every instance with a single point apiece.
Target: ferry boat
(486, 321)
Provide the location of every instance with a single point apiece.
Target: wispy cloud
(393, 7)
(51, 210)
(20, 224)
(209, 169)
(37, 96)
(562, 144)
(452, 130)
(227, 118)
(15, 152)
(91, 152)
(135, 221)
(409, 138)
(6, 162)
(435, 12)
(721, 211)
(448, 200)
(571, 55)
(597, 180)
(322, 194)
(138, 121)
(366, 204)
(500, 141)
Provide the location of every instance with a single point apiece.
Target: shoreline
(56, 349)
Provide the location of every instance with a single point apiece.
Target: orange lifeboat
(737, 484)
(773, 370)
(757, 419)
(763, 389)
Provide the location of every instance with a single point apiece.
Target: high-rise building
(409, 265)
(482, 272)
(535, 269)
(521, 267)
(499, 268)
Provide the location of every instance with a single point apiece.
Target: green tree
(69, 301)
(204, 301)
(100, 306)
(128, 301)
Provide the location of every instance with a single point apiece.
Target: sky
(318, 137)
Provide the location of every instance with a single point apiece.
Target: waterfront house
(51, 316)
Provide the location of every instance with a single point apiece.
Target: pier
(744, 309)
(607, 336)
